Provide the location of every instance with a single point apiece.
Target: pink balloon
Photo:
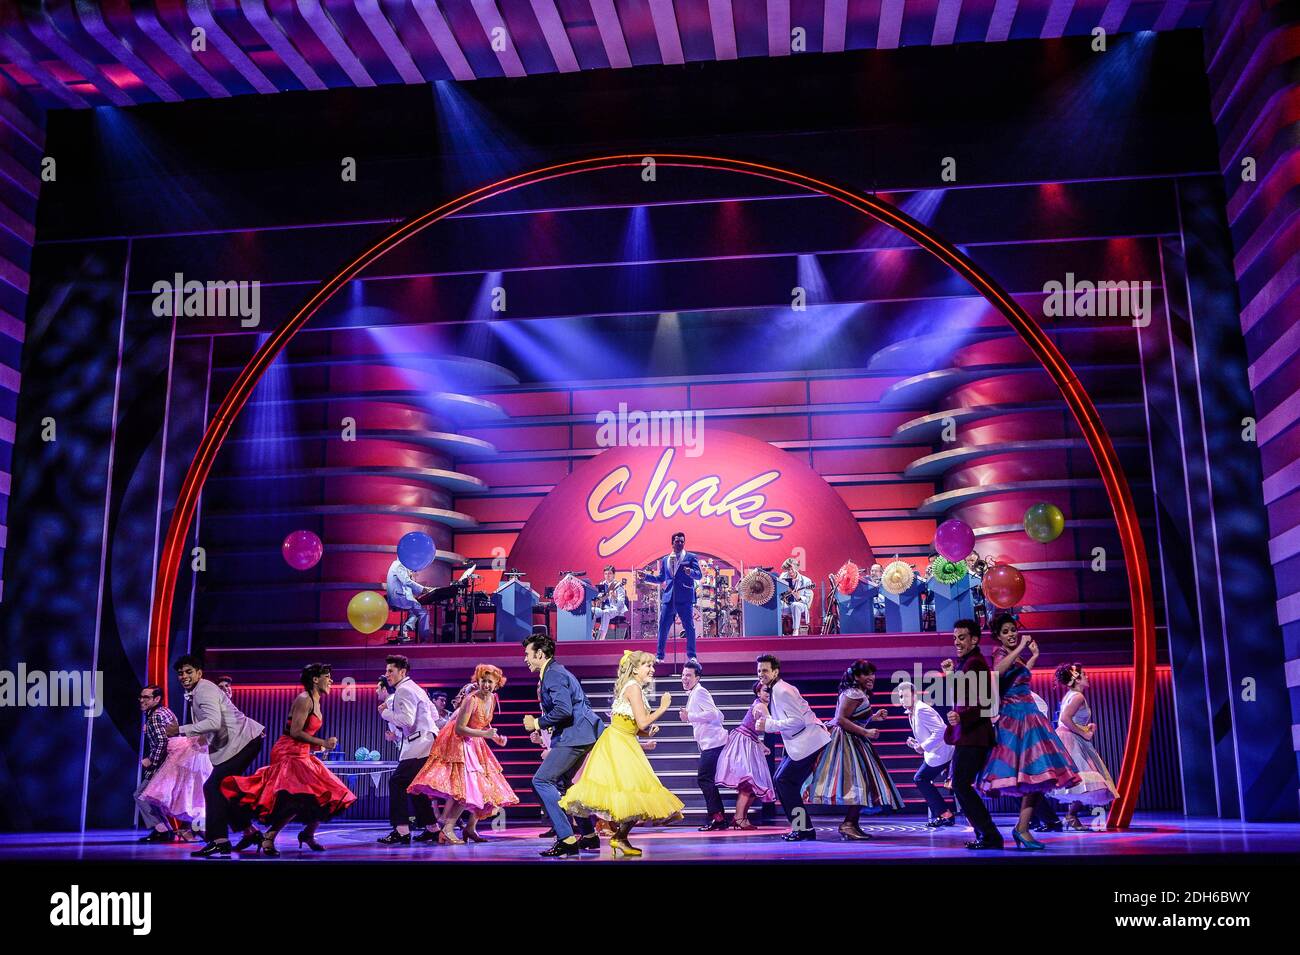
(954, 540)
(302, 550)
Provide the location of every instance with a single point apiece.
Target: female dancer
(461, 768)
(1028, 758)
(848, 771)
(742, 765)
(295, 784)
(617, 783)
(1075, 728)
(177, 787)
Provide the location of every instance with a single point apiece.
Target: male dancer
(574, 729)
(676, 575)
(156, 720)
(970, 731)
(409, 711)
(936, 755)
(233, 744)
(802, 735)
(613, 597)
(705, 720)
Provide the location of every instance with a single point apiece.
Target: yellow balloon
(367, 611)
(1044, 522)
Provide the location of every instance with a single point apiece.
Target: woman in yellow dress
(617, 783)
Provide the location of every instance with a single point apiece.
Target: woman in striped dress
(848, 772)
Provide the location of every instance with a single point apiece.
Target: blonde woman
(617, 782)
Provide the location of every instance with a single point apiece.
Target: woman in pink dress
(742, 765)
(177, 787)
(461, 768)
(295, 784)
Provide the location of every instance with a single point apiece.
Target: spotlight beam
(1085, 413)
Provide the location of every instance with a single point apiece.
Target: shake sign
(742, 500)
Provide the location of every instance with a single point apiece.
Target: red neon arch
(1081, 406)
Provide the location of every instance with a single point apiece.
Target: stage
(1153, 839)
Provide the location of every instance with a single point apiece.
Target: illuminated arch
(1081, 406)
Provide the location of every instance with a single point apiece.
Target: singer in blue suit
(574, 728)
(676, 575)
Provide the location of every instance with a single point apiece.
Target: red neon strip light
(1081, 406)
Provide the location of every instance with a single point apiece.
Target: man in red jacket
(970, 730)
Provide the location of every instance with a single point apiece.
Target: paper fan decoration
(756, 587)
(568, 593)
(898, 576)
(947, 571)
(848, 578)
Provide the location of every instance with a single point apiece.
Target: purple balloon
(302, 550)
(954, 540)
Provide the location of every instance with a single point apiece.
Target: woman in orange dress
(295, 784)
(461, 768)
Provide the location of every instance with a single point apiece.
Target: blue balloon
(416, 551)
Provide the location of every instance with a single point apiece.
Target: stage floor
(1153, 838)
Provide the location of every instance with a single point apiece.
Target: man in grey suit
(234, 742)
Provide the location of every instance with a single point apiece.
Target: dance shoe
(395, 838)
(984, 844)
(715, 825)
(852, 833)
(250, 838)
(561, 848)
(800, 835)
(212, 849)
(1026, 842)
(424, 836)
(548, 834)
(1048, 826)
(310, 842)
(156, 836)
(590, 843)
(620, 845)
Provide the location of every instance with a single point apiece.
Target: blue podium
(952, 602)
(856, 609)
(764, 620)
(576, 624)
(903, 611)
(513, 604)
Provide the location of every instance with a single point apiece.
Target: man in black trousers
(970, 731)
(411, 718)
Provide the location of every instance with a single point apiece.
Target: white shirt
(804, 597)
(802, 733)
(927, 729)
(410, 712)
(705, 719)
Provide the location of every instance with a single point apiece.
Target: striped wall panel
(1251, 55)
(22, 135)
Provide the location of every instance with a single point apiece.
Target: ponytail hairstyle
(856, 669)
(627, 665)
(1067, 674)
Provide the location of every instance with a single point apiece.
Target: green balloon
(1044, 522)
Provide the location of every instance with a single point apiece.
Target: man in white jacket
(803, 736)
(705, 720)
(411, 717)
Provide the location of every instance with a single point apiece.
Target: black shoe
(984, 844)
(561, 848)
(249, 839)
(800, 835)
(715, 825)
(424, 836)
(156, 836)
(212, 849)
(1057, 826)
(940, 822)
(395, 838)
(548, 834)
(589, 843)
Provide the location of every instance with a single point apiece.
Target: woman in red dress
(461, 768)
(295, 784)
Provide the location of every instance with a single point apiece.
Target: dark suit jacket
(682, 592)
(565, 709)
(973, 727)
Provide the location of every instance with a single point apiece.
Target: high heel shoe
(444, 839)
(472, 835)
(268, 849)
(310, 842)
(1026, 842)
(742, 824)
(852, 833)
(620, 845)
(1073, 824)
(249, 839)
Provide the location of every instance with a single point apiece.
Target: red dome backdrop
(740, 499)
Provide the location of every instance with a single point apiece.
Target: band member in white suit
(803, 736)
(411, 717)
(402, 591)
(705, 720)
(798, 604)
(611, 601)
